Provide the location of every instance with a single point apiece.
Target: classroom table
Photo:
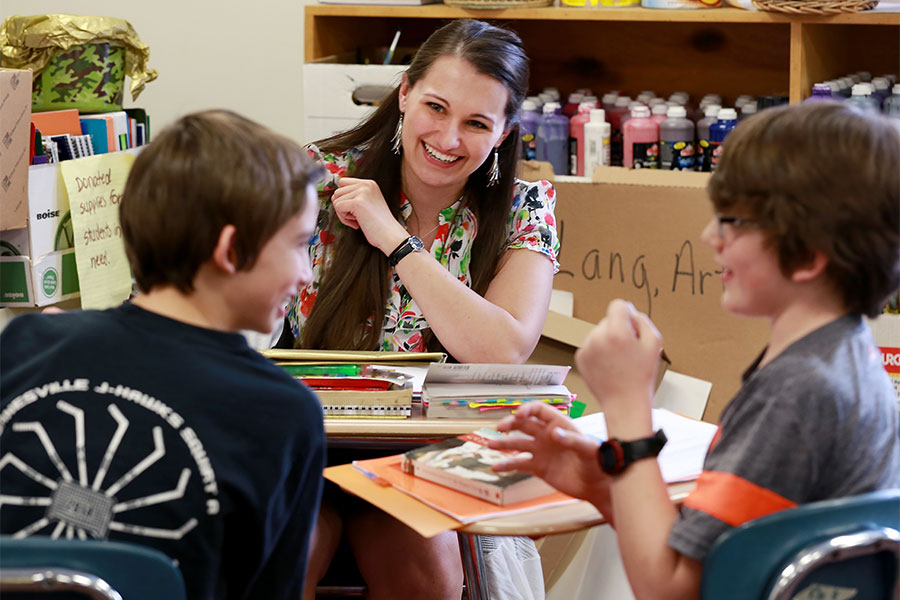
(417, 430)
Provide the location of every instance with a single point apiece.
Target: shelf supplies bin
(78, 61)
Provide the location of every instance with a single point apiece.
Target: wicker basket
(498, 4)
(813, 7)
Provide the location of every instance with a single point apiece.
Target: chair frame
(837, 549)
(98, 569)
(52, 579)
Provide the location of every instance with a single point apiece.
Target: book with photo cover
(464, 463)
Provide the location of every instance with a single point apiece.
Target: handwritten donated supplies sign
(95, 187)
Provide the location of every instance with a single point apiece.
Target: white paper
(495, 374)
(682, 457)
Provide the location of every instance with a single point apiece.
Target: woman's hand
(360, 204)
(560, 454)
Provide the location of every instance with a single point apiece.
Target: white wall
(244, 56)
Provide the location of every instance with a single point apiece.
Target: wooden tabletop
(557, 519)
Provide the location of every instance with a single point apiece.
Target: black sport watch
(410, 244)
(614, 456)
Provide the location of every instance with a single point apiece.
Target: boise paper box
(15, 132)
(44, 271)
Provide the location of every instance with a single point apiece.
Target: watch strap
(410, 244)
(615, 455)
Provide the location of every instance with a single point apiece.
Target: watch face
(416, 244)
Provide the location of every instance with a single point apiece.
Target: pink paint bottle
(641, 140)
(659, 113)
(576, 138)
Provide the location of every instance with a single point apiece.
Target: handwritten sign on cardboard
(95, 185)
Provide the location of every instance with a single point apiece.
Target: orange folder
(57, 122)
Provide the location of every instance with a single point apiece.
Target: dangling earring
(398, 142)
(494, 171)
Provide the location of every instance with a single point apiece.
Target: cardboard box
(15, 133)
(562, 336)
(43, 272)
(635, 234)
(337, 93)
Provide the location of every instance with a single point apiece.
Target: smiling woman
(418, 245)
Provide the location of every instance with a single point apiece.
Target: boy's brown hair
(820, 176)
(207, 170)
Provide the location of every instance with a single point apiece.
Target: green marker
(347, 370)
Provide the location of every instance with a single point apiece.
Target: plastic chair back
(842, 548)
(44, 567)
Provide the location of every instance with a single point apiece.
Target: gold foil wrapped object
(31, 42)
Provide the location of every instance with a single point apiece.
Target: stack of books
(59, 135)
(486, 391)
(381, 385)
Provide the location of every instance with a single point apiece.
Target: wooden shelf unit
(727, 51)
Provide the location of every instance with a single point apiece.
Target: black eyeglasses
(735, 222)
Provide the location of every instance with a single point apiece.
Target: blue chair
(97, 569)
(842, 548)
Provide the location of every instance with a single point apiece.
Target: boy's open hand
(359, 204)
(560, 454)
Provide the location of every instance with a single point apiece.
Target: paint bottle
(571, 107)
(659, 112)
(882, 90)
(741, 100)
(528, 123)
(892, 103)
(596, 141)
(576, 138)
(646, 96)
(820, 91)
(614, 116)
(608, 101)
(703, 155)
(641, 140)
(748, 109)
(553, 138)
(718, 131)
(860, 97)
(676, 141)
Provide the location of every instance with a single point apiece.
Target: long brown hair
(356, 287)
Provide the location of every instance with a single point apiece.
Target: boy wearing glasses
(807, 234)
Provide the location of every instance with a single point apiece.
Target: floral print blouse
(530, 225)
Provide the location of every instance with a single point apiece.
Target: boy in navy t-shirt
(154, 422)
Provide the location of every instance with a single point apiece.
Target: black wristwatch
(614, 455)
(410, 244)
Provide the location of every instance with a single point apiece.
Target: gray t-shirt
(820, 421)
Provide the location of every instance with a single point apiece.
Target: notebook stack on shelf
(485, 391)
(359, 384)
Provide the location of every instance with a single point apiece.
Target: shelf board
(719, 15)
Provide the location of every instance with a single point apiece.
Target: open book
(486, 391)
